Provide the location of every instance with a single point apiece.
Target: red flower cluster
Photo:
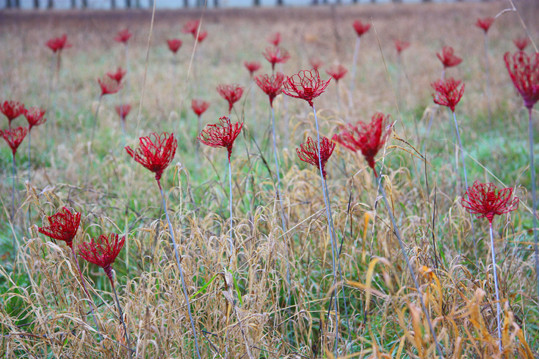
(58, 43)
(306, 85)
(191, 27)
(123, 36)
(448, 58)
(369, 138)
(12, 110)
(102, 251)
(252, 66)
(275, 39)
(315, 63)
(109, 86)
(155, 152)
(62, 226)
(400, 46)
(521, 43)
(118, 75)
(199, 106)
(484, 23)
(337, 72)
(222, 134)
(486, 200)
(276, 55)
(201, 36)
(447, 92)
(34, 116)
(14, 137)
(271, 85)
(231, 93)
(174, 45)
(308, 152)
(524, 71)
(123, 110)
(360, 27)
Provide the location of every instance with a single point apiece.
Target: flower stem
(180, 269)
(487, 70)
(534, 197)
(354, 67)
(121, 318)
(29, 171)
(498, 310)
(14, 168)
(416, 284)
(230, 207)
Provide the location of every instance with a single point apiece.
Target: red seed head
(306, 85)
(448, 57)
(34, 116)
(191, 27)
(14, 137)
(486, 201)
(524, 71)
(231, 93)
(199, 106)
(102, 251)
(275, 39)
(252, 66)
(62, 226)
(222, 134)
(360, 27)
(368, 138)
(447, 92)
(276, 55)
(58, 43)
(484, 23)
(308, 152)
(118, 75)
(108, 85)
(201, 36)
(271, 85)
(315, 63)
(521, 43)
(174, 45)
(12, 110)
(400, 46)
(123, 36)
(337, 72)
(123, 110)
(155, 152)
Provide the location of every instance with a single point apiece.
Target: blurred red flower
(337, 72)
(62, 226)
(201, 36)
(199, 106)
(360, 27)
(308, 152)
(58, 43)
(14, 137)
(109, 86)
(12, 110)
(123, 36)
(102, 251)
(276, 55)
(231, 93)
(222, 134)
(123, 111)
(524, 71)
(315, 63)
(191, 27)
(484, 23)
(271, 85)
(447, 92)
(486, 201)
(118, 75)
(306, 85)
(174, 45)
(400, 46)
(34, 116)
(275, 39)
(252, 66)
(448, 57)
(155, 152)
(521, 43)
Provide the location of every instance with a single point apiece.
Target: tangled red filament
(34, 116)
(306, 85)
(308, 152)
(14, 137)
(252, 66)
(448, 57)
(271, 85)
(109, 86)
(222, 134)
(199, 106)
(337, 72)
(447, 92)
(231, 93)
(12, 110)
(102, 251)
(155, 152)
(62, 226)
(486, 201)
(276, 55)
(524, 71)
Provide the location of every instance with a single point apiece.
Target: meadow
(274, 280)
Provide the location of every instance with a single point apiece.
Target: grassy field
(248, 307)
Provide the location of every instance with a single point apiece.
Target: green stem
(534, 198)
(121, 318)
(498, 310)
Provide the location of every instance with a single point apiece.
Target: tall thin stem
(121, 317)
(487, 70)
(331, 233)
(29, 155)
(354, 68)
(498, 310)
(14, 172)
(534, 198)
(184, 287)
(412, 273)
(230, 238)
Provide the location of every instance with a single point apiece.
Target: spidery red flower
(486, 201)
(231, 93)
(199, 106)
(174, 45)
(58, 43)
(484, 23)
(447, 92)
(369, 138)
(109, 86)
(118, 75)
(252, 66)
(102, 251)
(524, 71)
(275, 39)
(276, 55)
(201, 36)
(123, 36)
(62, 226)
(308, 152)
(521, 43)
(360, 27)
(448, 58)
(315, 63)
(337, 72)
(191, 27)
(14, 137)
(34, 116)
(123, 110)
(400, 46)
(306, 85)
(271, 85)
(12, 110)
(222, 134)
(155, 152)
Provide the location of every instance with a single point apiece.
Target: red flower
(315, 63)
(102, 251)
(63, 226)
(401, 46)
(201, 36)
(521, 43)
(369, 138)
(448, 58)
(123, 110)
(155, 152)
(275, 39)
(447, 92)
(486, 200)
(109, 86)
(252, 66)
(231, 93)
(123, 36)
(199, 106)
(524, 71)
(276, 55)
(484, 23)
(360, 27)
(14, 137)
(191, 27)
(306, 85)
(118, 75)
(174, 45)
(12, 110)
(222, 134)
(271, 85)
(308, 152)
(58, 43)
(34, 116)
(337, 72)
